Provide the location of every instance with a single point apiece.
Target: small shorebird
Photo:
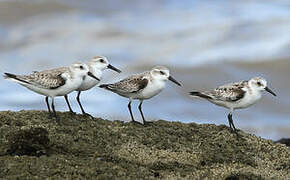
(236, 95)
(96, 66)
(54, 82)
(141, 86)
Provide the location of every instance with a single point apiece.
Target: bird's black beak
(91, 74)
(270, 91)
(114, 68)
(173, 80)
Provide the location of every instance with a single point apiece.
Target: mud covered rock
(95, 148)
(31, 142)
(285, 141)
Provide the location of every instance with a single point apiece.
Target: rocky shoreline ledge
(36, 147)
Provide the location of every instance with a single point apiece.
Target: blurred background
(205, 43)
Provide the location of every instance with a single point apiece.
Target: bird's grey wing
(129, 85)
(45, 79)
(229, 92)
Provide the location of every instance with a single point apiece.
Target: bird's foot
(57, 120)
(136, 122)
(72, 113)
(147, 123)
(50, 116)
(236, 132)
(88, 115)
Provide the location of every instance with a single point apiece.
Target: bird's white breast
(70, 85)
(153, 88)
(90, 82)
(249, 99)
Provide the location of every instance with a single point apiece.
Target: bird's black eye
(162, 73)
(102, 60)
(259, 83)
(81, 67)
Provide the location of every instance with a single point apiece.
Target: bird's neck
(96, 72)
(254, 92)
(159, 83)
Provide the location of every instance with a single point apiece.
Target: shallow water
(205, 44)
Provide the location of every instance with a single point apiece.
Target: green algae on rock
(95, 148)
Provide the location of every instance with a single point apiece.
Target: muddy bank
(35, 147)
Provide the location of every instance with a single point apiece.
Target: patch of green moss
(84, 148)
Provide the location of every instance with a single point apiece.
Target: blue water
(137, 35)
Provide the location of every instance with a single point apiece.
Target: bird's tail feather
(105, 86)
(199, 94)
(14, 77)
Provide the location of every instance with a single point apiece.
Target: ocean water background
(204, 43)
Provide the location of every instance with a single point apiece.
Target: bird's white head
(101, 63)
(162, 73)
(260, 84)
(81, 70)
(98, 62)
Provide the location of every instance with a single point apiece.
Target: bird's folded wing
(129, 85)
(45, 79)
(229, 92)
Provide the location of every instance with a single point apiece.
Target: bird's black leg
(54, 112)
(48, 107)
(230, 119)
(67, 101)
(231, 123)
(140, 109)
(130, 110)
(82, 109)
(78, 99)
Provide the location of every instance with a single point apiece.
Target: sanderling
(96, 66)
(141, 86)
(54, 82)
(236, 95)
